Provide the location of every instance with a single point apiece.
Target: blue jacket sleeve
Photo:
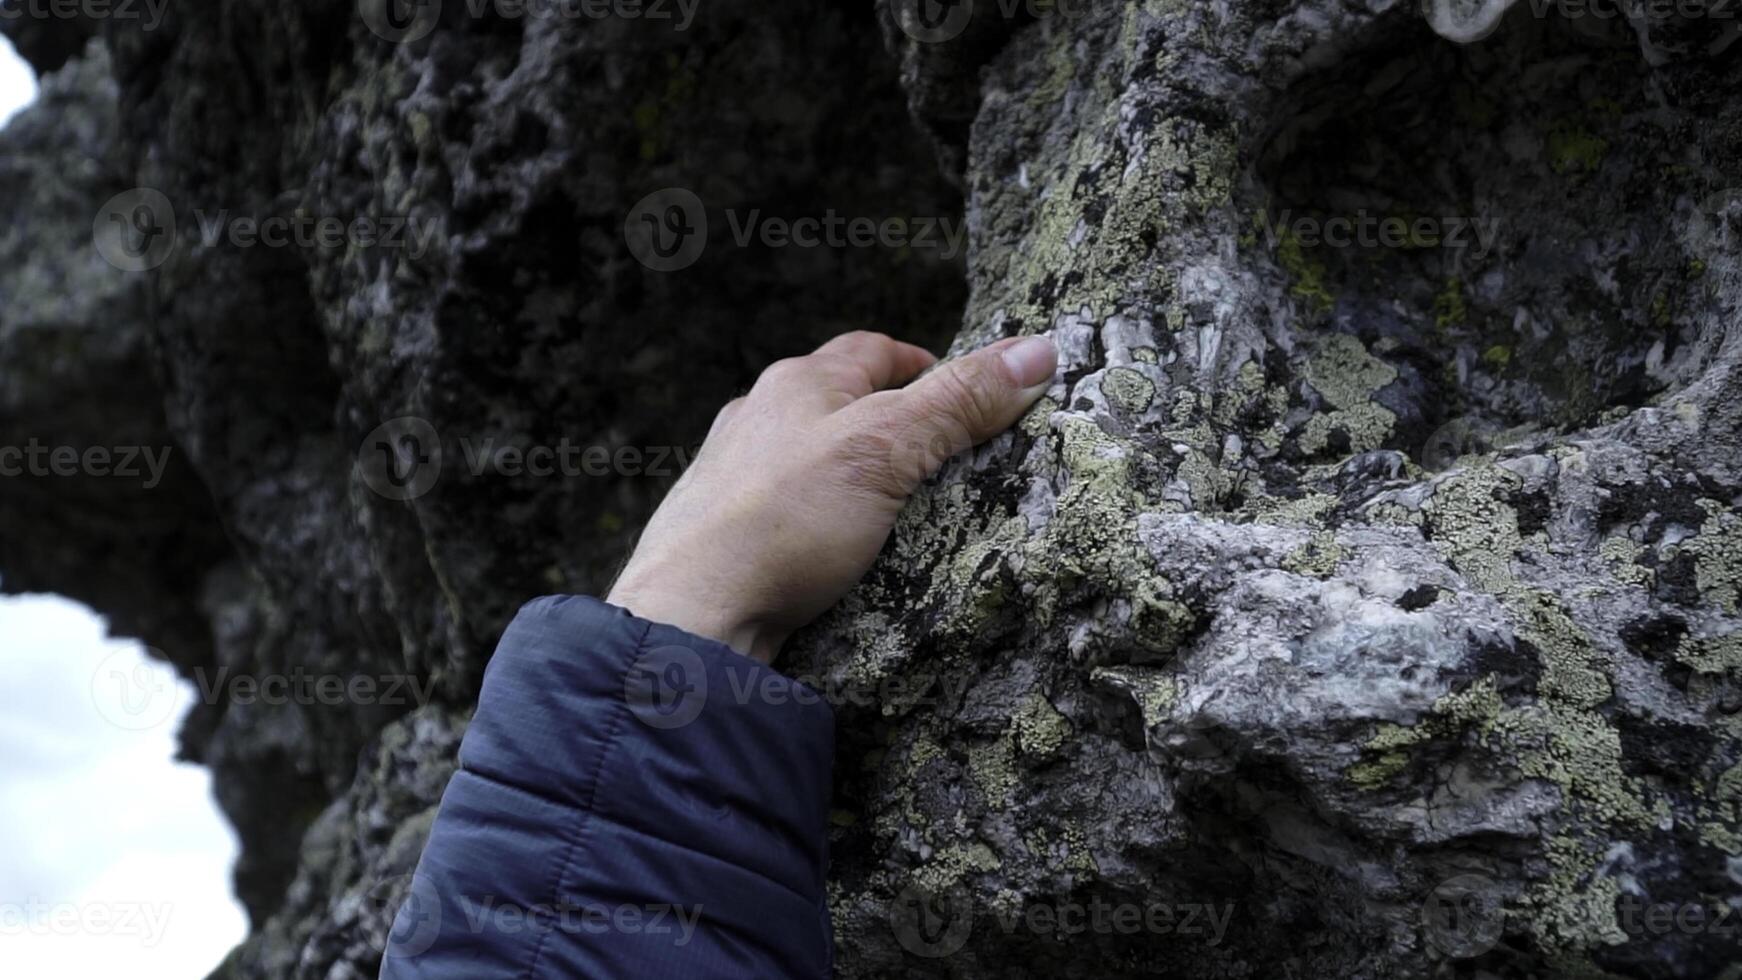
(632, 801)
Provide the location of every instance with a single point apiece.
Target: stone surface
(1340, 589)
(1363, 611)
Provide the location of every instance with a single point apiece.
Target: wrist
(713, 621)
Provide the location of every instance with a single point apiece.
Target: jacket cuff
(658, 731)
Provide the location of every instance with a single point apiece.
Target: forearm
(619, 771)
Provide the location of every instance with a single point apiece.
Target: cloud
(118, 862)
(17, 82)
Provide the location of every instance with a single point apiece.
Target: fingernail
(1033, 361)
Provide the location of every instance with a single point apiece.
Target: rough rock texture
(1332, 584)
(1383, 600)
(515, 148)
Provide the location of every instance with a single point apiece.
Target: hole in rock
(1504, 225)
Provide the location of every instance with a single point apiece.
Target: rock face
(1362, 603)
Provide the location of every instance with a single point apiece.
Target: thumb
(968, 401)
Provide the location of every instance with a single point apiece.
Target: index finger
(872, 362)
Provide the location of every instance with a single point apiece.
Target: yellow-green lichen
(1623, 556)
(1040, 729)
(1307, 273)
(1450, 309)
(1572, 149)
(1155, 691)
(1346, 375)
(1389, 749)
(993, 768)
(1562, 737)
(1128, 389)
(1318, 557)
(1717, 552)
(948, 866)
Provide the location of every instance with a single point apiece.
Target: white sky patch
(117, 861)
(17, 82)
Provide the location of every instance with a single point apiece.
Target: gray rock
(1357, 609)
(1382, 598)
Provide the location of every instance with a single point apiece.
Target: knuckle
(860, 338)
(782, 372)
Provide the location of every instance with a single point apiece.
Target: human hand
(799, 482)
